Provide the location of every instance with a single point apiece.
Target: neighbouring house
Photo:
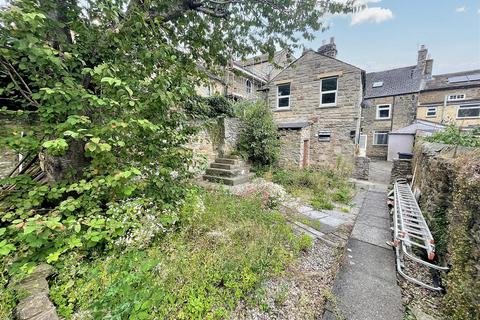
(316, 103)
(242, 80)
(452, 98)
(390, 103)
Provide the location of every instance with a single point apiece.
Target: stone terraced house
(390, 102)
(452, 98)
(316, 103)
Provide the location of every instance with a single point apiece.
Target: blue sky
(449, 28)
(388, 33)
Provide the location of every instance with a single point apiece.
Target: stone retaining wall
(401, 168)
(448, 180)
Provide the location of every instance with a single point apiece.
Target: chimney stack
(328, 49)
(424, 63)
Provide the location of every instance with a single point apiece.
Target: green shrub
(452, 135)
(258, 139)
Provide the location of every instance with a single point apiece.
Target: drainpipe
(392, 113)
(443, 108)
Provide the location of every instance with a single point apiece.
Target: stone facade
(402, 114)
(340, 121)
(292, 147)
(446, 111)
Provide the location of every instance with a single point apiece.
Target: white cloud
(375, 14)
(461, 9)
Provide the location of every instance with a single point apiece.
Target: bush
(452, 135)
(258, 139)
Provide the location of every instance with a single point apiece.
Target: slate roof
(440, 81)
(395, 82)
(419, 125)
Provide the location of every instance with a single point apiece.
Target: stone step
(229, 161)
(226, 172)
(230, 181)
(225, 166)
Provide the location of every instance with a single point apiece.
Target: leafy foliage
(226, 247)
(259, 138)
(454, 136)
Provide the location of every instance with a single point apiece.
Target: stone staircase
(229, 170)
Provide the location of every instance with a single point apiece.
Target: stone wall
(402, 114)
(290, 148)
(34, 303)
(214, 138)
(341, 120)
(401, 169)
(362, 168)
(8, 157)
(448, 181)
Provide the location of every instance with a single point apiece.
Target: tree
(107, 82)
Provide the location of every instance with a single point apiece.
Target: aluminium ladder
(411, 231)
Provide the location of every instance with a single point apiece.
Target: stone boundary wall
(35, 303)
(215, 138)
(362, 168)
(401, 168)
(447, 179)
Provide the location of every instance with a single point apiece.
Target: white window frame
(473, 106)
(248, 88)
(287, 96)
(456, 97)
(431, 109)
(334, 104)
(378, 132)
(389, 112)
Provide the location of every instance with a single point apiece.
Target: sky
(388, 34)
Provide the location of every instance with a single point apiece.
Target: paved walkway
(366, 287)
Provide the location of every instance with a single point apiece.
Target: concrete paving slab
(366, 287)
(304, 209)
(372, 235)
(375, 221)
(331, 221)
(315, 214)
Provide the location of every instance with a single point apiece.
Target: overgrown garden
(109, 87)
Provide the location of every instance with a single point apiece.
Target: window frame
(286, 96)
(377, 132)
(469, 106)
(333, 104)
(428, 110)
(377, 114)
(455, 97)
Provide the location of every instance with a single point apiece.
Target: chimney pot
(328, 49)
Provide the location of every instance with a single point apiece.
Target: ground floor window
(380, 138)
(470, 111)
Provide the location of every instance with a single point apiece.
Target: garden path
(366, 286)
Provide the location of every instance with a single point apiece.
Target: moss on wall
(449, 183)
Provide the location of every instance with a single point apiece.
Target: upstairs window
(455, 97)
(283, 96)
(468, 112)
(328, 92)
(248, 84)
(431, 112)
(380, 138)
(384, 111)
